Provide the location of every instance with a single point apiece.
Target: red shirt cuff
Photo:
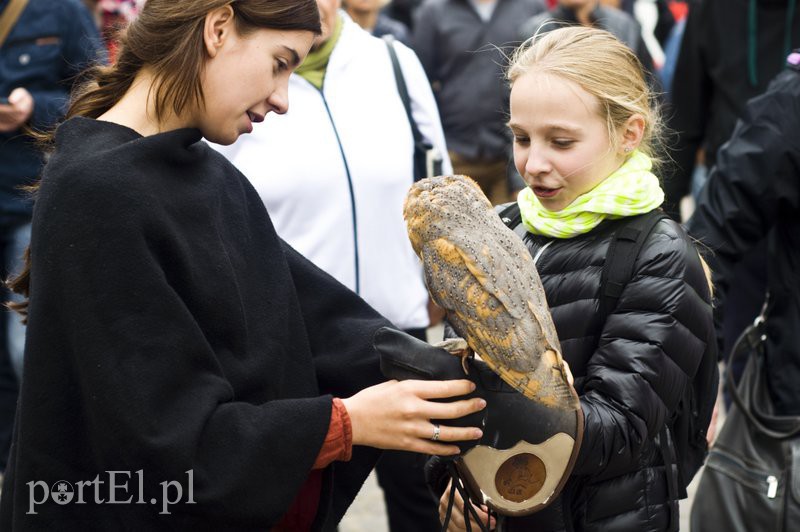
(339, 440)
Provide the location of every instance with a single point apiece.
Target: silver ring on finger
(436, 432)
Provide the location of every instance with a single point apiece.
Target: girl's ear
(632, 133)
(217, 29)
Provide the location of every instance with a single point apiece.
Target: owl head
(436, 205)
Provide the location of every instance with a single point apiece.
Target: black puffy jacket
(633, 373)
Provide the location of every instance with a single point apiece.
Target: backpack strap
(9, 17)
(420, 146)
(629, 237)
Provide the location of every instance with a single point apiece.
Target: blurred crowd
(705, 59)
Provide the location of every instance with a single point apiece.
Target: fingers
(448, 434)
(457, 521)
(441, 389)
(459, 433)
(21, 99)
(17, 95)
(421, 439)
(456, 517)
(483, 515)
(433, 448)
(18, 110)
(434, 438)
(451, 410)
(455, 409)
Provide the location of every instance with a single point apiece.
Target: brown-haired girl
(185, 369)
(644, 365)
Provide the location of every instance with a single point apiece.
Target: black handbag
(751, 481)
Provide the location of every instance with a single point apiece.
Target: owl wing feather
(495, 319)
(487, 317)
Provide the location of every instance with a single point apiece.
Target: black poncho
(172, 331)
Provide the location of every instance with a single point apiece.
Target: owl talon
(454, 346)
(459, 348)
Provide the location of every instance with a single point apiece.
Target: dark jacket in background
(664, 23)
(52, 41)
(633, 372)
(753, 193)
(726, 58)
(171, 330)
(403, 11)
(623, 26)
(386, 25)
(464, 59)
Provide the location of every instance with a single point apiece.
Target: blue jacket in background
(52, 41)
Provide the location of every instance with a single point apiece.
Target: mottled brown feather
(480, 272)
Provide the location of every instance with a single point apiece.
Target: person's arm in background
(756, 172)
(688, 114)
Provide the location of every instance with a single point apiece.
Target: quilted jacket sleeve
(649, 351)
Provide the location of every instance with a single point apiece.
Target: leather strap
(10, 17)
(469, 508)
(420, 145)
(751, 343)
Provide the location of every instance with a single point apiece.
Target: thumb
(20, 97)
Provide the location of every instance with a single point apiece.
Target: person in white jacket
(333, 173)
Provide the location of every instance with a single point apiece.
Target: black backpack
(686, 449)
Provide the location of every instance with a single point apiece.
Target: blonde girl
(585, 134)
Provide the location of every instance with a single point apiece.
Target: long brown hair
(167, 37)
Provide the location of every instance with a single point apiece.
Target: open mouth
(542, 192)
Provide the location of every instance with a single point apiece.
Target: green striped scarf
(629, 191)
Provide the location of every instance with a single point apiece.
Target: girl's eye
(563, 143)
(282, 66)
(520, 139)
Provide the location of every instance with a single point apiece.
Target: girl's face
(246, 77)
(561, 144)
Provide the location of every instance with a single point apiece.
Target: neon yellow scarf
(316, 62)
(629, 191)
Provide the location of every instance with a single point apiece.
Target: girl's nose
(536, 163)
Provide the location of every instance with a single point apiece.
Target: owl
(481, 273)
